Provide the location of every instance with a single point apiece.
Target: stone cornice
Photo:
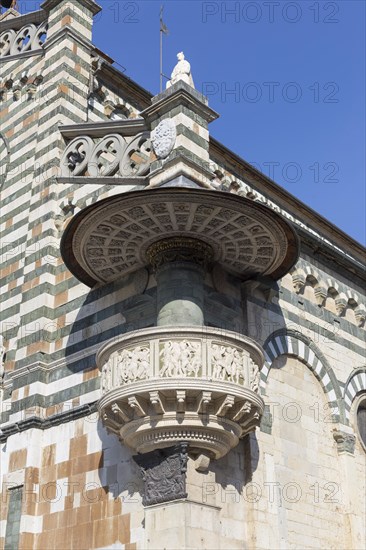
(179, 94)
(111, 76)
(45, 423)
(16, 23)
(352, 250)
(106, 180)
(69, 32)
(22, 55)
(128, 127)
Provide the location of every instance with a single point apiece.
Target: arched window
(361, 419)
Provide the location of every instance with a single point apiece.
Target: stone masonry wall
(289, 485)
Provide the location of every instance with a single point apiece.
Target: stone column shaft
(180, 294)
(180, 265)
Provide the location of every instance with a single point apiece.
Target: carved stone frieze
(180, 358)
(28, 38)
(112, 155)
(164, 474)
(163, 138)
(187, 353)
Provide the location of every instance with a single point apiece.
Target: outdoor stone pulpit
(188, 379)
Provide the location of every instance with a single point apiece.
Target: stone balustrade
(163, 385)
(112, 155)
(29, 38)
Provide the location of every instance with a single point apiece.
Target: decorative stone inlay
(162, 385)
(163, 138)
(111, 238)
(111, 155)
(164, 474)
(4, 158)
(30, 37)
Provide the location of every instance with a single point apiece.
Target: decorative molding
(164, 474)
(100, 129)
(324, 286)
(25, 81)
(45, 423)
(91, 5)
(355, 384)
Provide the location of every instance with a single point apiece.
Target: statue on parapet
(182, 71)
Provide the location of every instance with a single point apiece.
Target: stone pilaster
(76, 15)
(188, 114)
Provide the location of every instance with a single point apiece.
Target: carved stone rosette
(164, 385)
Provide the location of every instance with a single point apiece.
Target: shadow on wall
(234, 471)
(107, 312)
(118, 472)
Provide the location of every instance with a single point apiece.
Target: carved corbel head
(360, 314)
(17, 91)
(31, 91)
(298, 280)
(341, 302)
(321, 293)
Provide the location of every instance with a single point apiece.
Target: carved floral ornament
(29, 38)
(110, 156)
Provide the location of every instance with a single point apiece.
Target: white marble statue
(182, 71)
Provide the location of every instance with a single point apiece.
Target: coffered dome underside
(110, 238)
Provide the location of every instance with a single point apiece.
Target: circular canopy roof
(110, 238)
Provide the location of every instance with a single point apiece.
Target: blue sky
(296, 73)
